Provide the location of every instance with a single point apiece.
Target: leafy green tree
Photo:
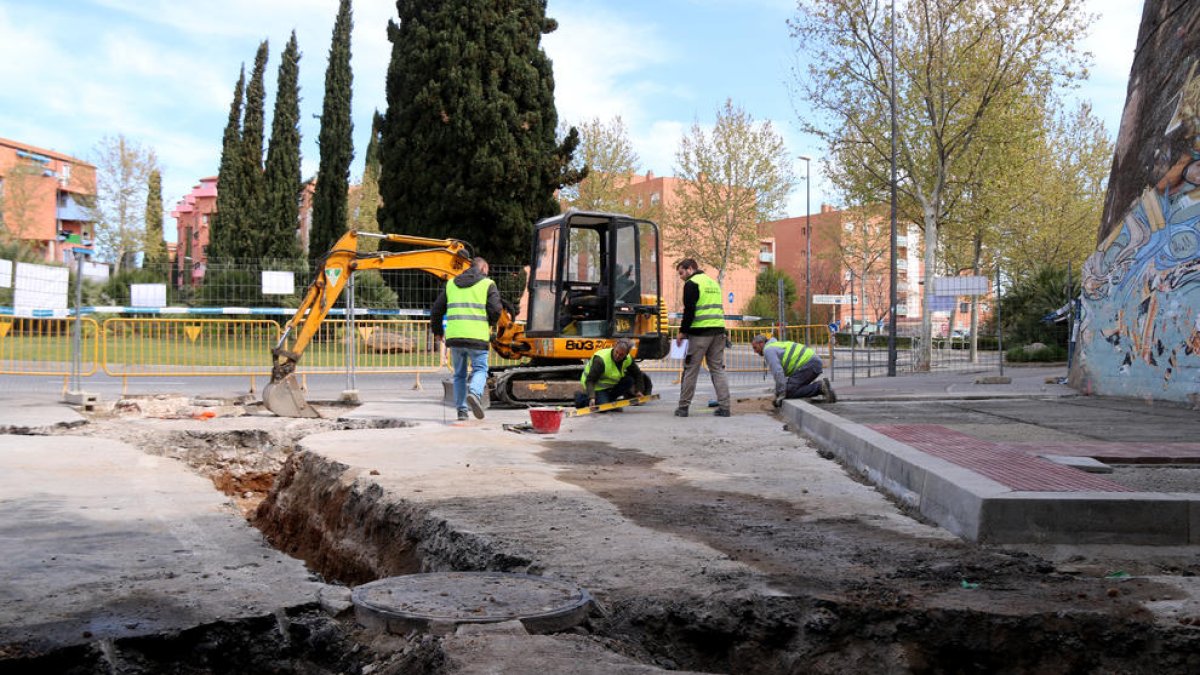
(281, 207)
(155, 249)
(958, 64)
(734, 179)
(123, 169)
(765, 302)
(469, 142)
(229, 234)
(610, 162)
(336, 142)
(1030, 299)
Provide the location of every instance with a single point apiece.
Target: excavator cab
(596, 277)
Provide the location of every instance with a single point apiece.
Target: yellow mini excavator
(593, 278)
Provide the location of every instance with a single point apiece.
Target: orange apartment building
(45, 194)
(651, 194)
(192, 216)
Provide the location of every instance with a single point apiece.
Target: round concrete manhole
(439, 602)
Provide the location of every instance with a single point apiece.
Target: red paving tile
(1124, 452)
(1010, 466)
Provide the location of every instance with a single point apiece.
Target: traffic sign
(845, 299)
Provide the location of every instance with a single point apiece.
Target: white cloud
(602, 65)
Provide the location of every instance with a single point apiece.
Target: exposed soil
(827, 595)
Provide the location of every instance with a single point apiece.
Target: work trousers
(803, 383)
(711, 349)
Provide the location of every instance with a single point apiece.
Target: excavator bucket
(285, 398)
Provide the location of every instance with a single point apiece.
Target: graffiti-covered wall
(1140, 331)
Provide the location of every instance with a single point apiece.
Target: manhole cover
(440, 601)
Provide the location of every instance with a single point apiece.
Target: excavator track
(529, 386)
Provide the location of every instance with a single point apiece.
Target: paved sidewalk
(985, 457)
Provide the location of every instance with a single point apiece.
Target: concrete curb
(980, 509)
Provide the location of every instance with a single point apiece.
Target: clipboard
(678, 351)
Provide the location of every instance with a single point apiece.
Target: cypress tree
(227, 228)
(364, 202)
(335, 142)
(155, 257)
(281, 203)
(469, 148)
(252, 158)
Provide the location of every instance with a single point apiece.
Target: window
(655, 198)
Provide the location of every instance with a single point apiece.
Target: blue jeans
(460, 357)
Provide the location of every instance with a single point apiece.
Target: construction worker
(610, 374)
(470, 303)
(794, 367)
(703, 326)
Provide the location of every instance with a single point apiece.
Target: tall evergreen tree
(335, 142)
(469, 148)
(228, 230)
(155, 257)
(281, 203)
(252, 156)
(364, 203)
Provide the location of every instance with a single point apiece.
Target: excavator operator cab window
(591, 275)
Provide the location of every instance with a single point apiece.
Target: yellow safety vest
(612, 372)
(710, 313)
(466, 310)
(795, 354)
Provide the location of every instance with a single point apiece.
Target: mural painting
(1140, 327)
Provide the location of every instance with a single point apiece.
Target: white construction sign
(148, 295)
(956, 286)
(278, 283)
(5, 274)
(40, 287)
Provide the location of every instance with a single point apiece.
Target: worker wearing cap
(795, 367)
(610, 374)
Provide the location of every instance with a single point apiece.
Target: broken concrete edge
(979, 509)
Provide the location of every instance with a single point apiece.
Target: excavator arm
(443, 258)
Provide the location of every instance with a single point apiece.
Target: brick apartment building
(192, 216)
(44, 194)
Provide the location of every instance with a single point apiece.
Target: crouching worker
(795, 368)
(610, 374)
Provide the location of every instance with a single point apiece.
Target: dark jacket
(691, 296)
(438, 312)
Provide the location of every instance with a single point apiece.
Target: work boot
(462, 414)
(681, 412)
(721, 412)
(475, 405)
(827, 391)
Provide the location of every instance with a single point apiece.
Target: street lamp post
(807, 246)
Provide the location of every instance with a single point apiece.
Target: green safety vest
(466, 310)
(709, 310)
(612, 372)
(795, 354)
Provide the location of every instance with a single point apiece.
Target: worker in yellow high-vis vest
(795, 368)
(703, 326)
(470, 304)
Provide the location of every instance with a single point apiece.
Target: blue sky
(161, 72)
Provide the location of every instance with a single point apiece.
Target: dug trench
(722, 581)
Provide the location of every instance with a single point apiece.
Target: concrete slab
(102, 541)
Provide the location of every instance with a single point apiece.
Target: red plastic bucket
(545, 420)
